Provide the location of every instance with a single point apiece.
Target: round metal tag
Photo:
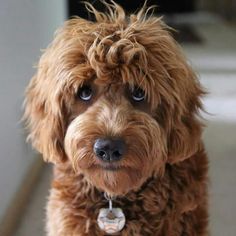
(111, 220)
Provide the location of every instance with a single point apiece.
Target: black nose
(109, 149)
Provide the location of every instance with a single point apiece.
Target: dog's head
(115, 98)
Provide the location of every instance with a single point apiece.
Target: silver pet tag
(111, 220)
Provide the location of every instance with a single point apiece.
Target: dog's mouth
(109, 166)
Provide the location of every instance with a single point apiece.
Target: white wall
(26, 26)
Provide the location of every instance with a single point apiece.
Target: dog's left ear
(185, 128)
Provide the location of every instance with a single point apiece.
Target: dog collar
(111, 220)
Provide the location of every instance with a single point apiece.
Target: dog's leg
(63, 221)
(73, 205)
(188, 197)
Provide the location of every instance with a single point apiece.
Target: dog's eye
(138, 94)
(85, 93)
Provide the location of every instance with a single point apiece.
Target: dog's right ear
(45, 111)
(44, 117)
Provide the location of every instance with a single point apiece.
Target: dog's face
(116, 99)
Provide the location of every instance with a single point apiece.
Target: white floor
(215, 62)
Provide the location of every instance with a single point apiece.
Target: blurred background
(207, 33)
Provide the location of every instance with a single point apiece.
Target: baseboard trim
(20, 200)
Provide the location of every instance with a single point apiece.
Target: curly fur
(161, 183)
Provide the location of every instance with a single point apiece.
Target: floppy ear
(176, 92)
(184, 138)
(48, 94)
(44, 116)
(185, 128)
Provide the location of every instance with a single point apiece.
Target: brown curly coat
(161, 183)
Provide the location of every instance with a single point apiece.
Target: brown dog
(114, 105)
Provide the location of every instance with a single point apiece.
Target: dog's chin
(114, 180)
